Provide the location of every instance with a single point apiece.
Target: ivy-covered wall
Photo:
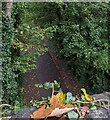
(1, 53)
(9, 84)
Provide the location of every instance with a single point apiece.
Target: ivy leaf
(72, 115)
(79, 103)
(83, 98)
(39, 85)
(70, 98)
(57, 84)
(47, 85)
(17, 109)
(93, 107)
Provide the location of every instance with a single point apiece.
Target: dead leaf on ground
(38, 113)
(41, 112)
(57, 100)
(58, 112)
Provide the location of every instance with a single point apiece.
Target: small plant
(9, 110)
(65, 103)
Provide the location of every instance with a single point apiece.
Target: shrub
(81, 39)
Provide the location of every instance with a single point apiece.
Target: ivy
(9, 83)
(21, 47)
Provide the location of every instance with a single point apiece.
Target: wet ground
(49, 68)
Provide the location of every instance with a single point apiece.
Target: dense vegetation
(81, 38)
(9, 83)
(78, 33)
(21, 47)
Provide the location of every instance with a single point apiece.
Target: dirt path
(49, 68)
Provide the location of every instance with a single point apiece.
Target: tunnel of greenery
(80, 38)
(78, 33)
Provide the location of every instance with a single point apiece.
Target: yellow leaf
(57, 100)
(61, 97)
(87, 97)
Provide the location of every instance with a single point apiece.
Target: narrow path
(49, 69)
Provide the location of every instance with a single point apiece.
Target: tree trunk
(9, 4)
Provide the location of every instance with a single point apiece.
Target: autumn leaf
(61, 97)
(47, 111)
(57, 100)
(41, 112)
(58, 112)
(87, 97)
(54, 102)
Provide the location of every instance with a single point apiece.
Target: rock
(104, 96)
(100, 112)
(25, 113)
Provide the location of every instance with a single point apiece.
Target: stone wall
(99, 113)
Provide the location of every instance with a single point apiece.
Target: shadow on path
(48, 69)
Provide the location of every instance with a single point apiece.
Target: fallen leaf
(54, 102)
(61, 97)
(57, 100)
(58, 112)
(47, 111)
(41, 112)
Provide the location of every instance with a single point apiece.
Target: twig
(91, 101)
(77, 110)
(52, 89)
(5, 117)
(101, 106)
(2, 105)
(42, 101)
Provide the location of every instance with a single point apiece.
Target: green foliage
(93, 107)
(79, 103)
(27, 38)
(72, 115)
(48, 85)
(18, 40)
(28, 41)
(12, 109)
(80, 39)
(9, 83)
(70, 98)
(21, 47)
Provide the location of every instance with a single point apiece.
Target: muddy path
(49, 68)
